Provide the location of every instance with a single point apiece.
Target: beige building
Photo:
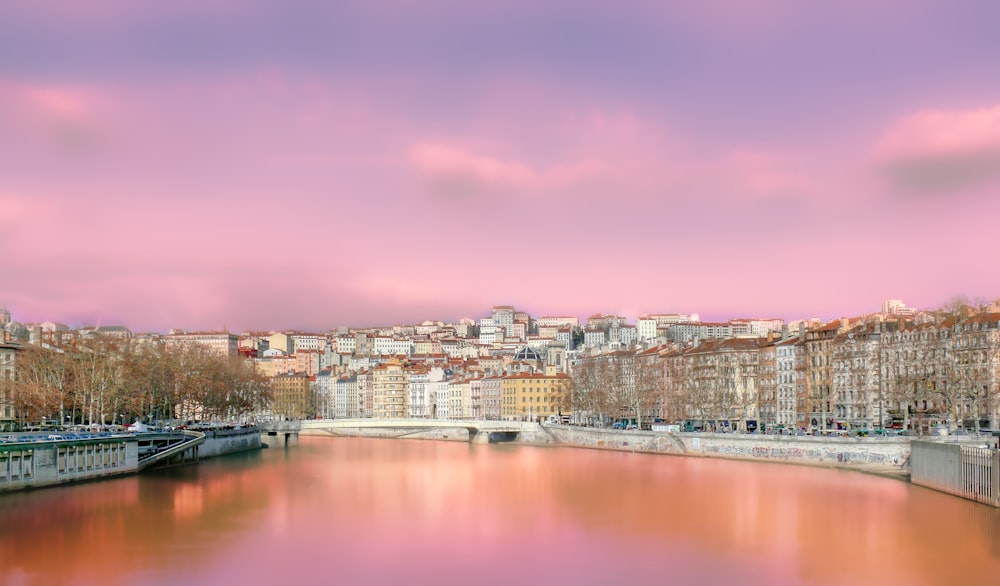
(390, 390)
(458, 399)
(819, 346)
(292, 396)
(532, 396)
(281, 341)
(426, 346)
(272, 366)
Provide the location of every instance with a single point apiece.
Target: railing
(165, 450)
(980, 471)
(970, 472)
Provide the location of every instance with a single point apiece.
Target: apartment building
(281, 341)
(8, 357)
(292, 396)
(767, 385)
(345, 397)
(390, 390)
(219, 343)
(322, 388)
(492, 392)
(534, 396)
(819, 346)
(790, 368)
(366, 393)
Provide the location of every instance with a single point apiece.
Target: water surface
(370, 511)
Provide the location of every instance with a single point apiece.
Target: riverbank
(885, 456)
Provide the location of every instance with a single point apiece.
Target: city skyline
(281, 166)
(890, 308)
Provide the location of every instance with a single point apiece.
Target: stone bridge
(480, 431)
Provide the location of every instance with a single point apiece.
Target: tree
(43, 383)
(675, 384)
(648, 399)
(97, 370)
(591, 379)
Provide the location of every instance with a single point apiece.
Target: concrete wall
(218, 443)
(971, 472)
(38, 464)
(882, 455)
(49, 463)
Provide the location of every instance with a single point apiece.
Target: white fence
(967, 471)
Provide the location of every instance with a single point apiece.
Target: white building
(428, 327)
(791, 380)
(346, 344)
(7, 358)
(438, 391)
(594, 337)
(307, 342)
(755, 327)
(565, 336)
(627, 335)
(896, 307)
(343, 396)
(419, 399)
(503, 317)
(646, 327)
(561, 321)
(322, 394)
(220, 343)
(487, 331)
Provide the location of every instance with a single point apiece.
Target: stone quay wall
(880, 455)
(229, 441)
(450, 434)
(532, 433)
(889, 455)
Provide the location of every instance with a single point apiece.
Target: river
(352, 511)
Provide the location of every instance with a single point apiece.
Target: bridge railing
(479, 424)
(191, 440)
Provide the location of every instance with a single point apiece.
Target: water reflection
(353, 511)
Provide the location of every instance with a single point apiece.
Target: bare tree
(43, 383)
(591, 381)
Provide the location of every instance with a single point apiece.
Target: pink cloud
(58, 102)
(942, 133)
(454, 172)
(760, 174)
(942, 150)
(50, 115)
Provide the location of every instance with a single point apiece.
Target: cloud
(761, 175)
(942, 151)
(455, 173)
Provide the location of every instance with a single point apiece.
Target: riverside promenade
(888, 455)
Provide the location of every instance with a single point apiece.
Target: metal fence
(967, 471)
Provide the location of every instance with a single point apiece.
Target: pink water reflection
(353, 511)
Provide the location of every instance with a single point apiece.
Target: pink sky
(307, 164)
